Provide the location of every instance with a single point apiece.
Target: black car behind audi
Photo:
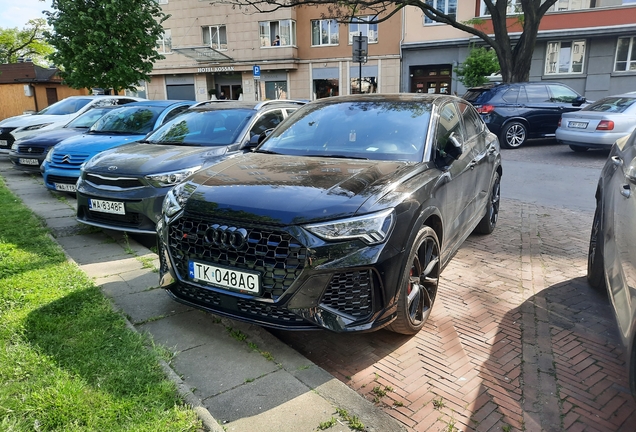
(343, 218)
(520, 111)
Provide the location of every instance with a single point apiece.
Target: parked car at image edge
(28, 153)
(123, 188)
(611, 257)
(53, 117)
(520, 111)
(600, 124)
(343, 218)
(61, 167)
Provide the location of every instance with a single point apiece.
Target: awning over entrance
(203, 54)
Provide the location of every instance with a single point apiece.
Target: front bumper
(59, 179)
(306, 283)
(142, 206)
(27, 162)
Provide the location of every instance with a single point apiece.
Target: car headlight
(49, 156)
(15, 145)
(372, 229)
(171, 178)
(33, 127)
(176, 198)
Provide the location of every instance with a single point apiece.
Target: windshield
(203, 128)
(378, 130)
(65, 106)
(87, 119)
(137, 120)
(611, 104)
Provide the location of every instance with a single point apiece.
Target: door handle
(617, 161)
(472, 164)
(626, 191)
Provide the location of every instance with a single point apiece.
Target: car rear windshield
(136, 120)
(203, 128)
(477, 96)
(65, 106)
(611, 104)
(378, 130)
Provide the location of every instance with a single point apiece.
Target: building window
(277, 33)
(358, 26)
(565, 57)
(164, 43)
(324, 32)
(325, 88)
(514, 8)
(215, 37)
(448, 7)
(625, 54)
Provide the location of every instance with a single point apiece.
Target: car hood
(142, 159)
(33, 119)
(95, 143)
(50, 138)
(287, 190)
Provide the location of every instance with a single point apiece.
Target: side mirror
(580, 100)
(455, 149)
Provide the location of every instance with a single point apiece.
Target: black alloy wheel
(595, 263)
(419, 282)
(513, 135)
(488, 223)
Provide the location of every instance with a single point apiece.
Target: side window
(537, 93)
(268, 120)
(448, 124)
(472, 122)
(511, 95)
(562, 94)
(175, 112)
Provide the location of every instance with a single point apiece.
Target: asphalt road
(545, 173)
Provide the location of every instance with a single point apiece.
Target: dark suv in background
(519, 111)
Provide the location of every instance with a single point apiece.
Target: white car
(53, 117)
(599, 124)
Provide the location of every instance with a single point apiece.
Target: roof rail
(279, 101)
(211, 101)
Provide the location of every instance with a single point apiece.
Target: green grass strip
(67, 360)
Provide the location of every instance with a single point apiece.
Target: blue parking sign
(257, 72)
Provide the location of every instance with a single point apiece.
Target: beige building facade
(212, 51)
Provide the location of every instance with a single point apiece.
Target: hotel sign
(216, 69)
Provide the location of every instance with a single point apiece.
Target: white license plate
(102, 206)
(577, 125)
(4, 143)
(24, 161)
(243, 281)
(65, 187)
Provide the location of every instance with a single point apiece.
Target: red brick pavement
(517, 340)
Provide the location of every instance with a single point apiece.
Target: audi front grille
(275, 254)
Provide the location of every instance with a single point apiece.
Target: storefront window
(367, 85)
(325, 88)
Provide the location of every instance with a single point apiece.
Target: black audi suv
(343, 218)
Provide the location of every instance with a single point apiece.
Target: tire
(488, 223)
(579, 149)
(513, 135)
(595, 261)
(418, 283)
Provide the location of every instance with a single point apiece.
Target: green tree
(480, 63)
(26, 43)
(513, 52)
(109, 44)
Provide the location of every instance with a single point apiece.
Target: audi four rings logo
(226, 237)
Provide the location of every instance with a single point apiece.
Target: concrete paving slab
(111, 267)
(128, 283)
(276, 401)
(222, 364)
(148, 305)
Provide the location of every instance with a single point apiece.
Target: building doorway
(431, 79)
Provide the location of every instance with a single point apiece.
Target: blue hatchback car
(61, 167)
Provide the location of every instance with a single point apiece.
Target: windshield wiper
(336, 156)
(266, 152)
